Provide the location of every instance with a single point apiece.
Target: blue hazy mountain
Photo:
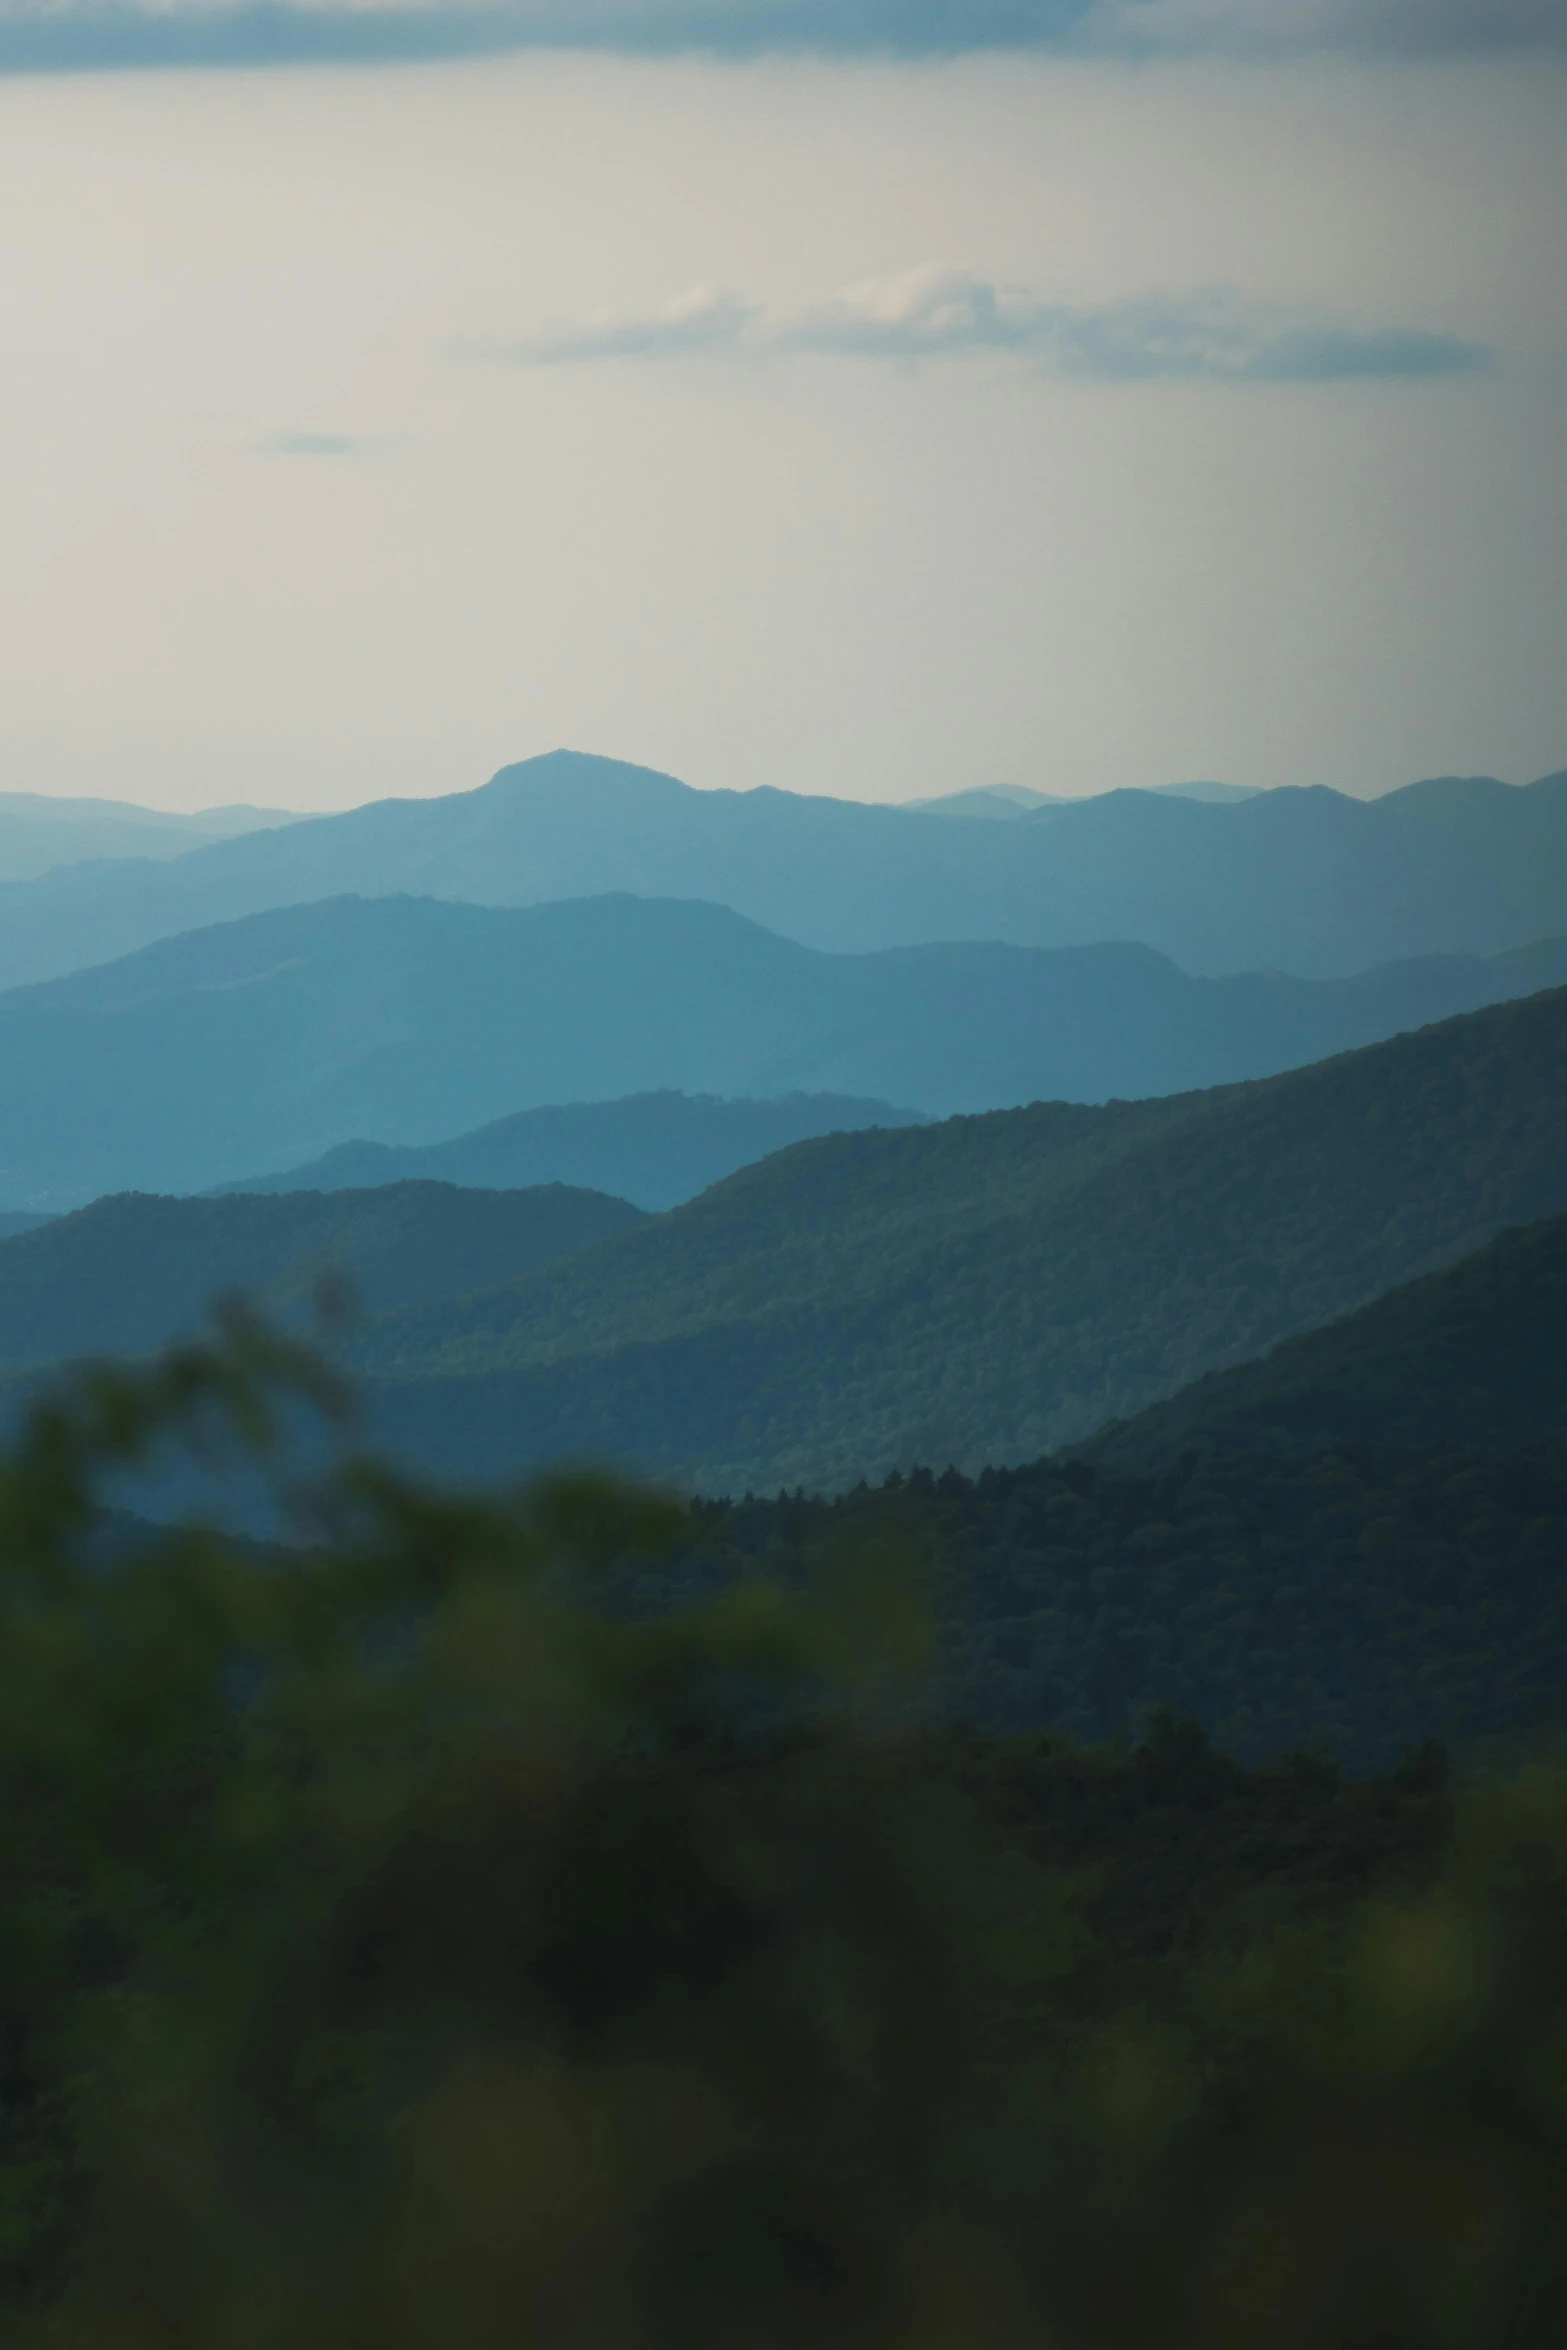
(1007, 801)
(655, 1149)
(267, 1041)
(1307, 881)
(38, 833)
(19, 1221)
(995, 802)
(133, 1273)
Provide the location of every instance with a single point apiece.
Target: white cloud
(934, 313)
(294, 443)
(702, 319)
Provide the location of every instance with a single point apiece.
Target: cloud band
(63, 36)
(948, 314)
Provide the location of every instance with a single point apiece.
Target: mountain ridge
(411, 1020)
(40, 833)
(136, 1271)
(654, 1149)
(992, 1288)
(1306, 879)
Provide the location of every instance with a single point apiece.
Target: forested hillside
(1473, 1356)
(1358, 1599)
(655, 1149)
(260, 1044)
(1358, 1543)
(987, 1289)
(132, 1273)
(1309, 881)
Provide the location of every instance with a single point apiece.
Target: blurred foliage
(412, 1942)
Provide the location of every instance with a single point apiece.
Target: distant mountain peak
(579, 769)
(1218, 795)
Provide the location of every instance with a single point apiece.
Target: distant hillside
(1222, 795)
(130, 1274)
(10, 1225)
(1306, 881)
(1474, 1356)
(655, 1149)
(1356, 1542)
(987, 1289)
(38, 833)
(266, 1042)
(1010, 800)
(994, 801)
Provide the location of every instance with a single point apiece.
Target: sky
(875, 397)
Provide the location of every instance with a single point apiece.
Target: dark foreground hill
(655, 1149)
(990, 1288)
(265, 1042)
(1358, 1600)
(132, 1273)
(1308, 881)
(1359, 1543)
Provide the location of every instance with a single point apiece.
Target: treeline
(1356, 1598)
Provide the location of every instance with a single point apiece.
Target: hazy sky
(1179, 393)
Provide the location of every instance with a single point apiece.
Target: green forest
(134, 1272)
(1357, 1542)
(987, 1289)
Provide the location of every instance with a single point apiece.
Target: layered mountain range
(982, 1290)
(1232, 1355)
(975, 1291)
(654, 1149)
(39, 833)
(828, 1205)
(1306, 881)
(207, 1058)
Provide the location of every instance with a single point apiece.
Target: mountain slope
(1476, 1355)
(655, 1149)
(132, 1273)
(17, 1222)
(1357, 1541)
(39, 833)
(990, 1288)
(1308, 881)
(268, 1041)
